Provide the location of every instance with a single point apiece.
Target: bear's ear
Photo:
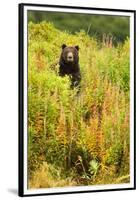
(77, 47)
(63, 46)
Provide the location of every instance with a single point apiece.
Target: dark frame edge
(80, 192)
(76, 7)
(135, 99)
(20, 101)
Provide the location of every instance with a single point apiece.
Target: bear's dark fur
(69, 64)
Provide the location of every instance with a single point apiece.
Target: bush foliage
(77, 139)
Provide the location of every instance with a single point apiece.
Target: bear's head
(70, 54)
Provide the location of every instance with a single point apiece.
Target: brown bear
(69, 64)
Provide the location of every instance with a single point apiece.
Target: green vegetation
(77, 139)
(94, 25)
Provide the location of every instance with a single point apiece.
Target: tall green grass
(84, 139)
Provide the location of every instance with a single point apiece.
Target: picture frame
(85, 180)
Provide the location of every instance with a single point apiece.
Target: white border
(81, 188)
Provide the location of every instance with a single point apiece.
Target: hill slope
(77, 140)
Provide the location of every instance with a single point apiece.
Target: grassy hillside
(84, 139)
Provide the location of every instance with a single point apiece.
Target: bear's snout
(70, 57)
